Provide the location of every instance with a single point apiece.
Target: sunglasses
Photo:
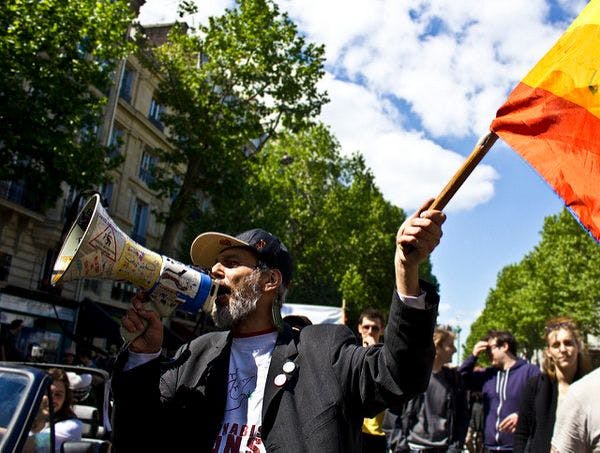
(559, 325)
(373, 328)
(490, 347)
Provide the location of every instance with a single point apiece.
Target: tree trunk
(170, 244)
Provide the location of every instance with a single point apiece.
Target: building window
(127, 84)
(16, 191)
(89, 132)
(123, 291)
(68, 200)
(106, 192)
(140, 222)
(116, 141)
(155, 113)
(5, 260)
(147, 163)
(91, 285)
(178, 181)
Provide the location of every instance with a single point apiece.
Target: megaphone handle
(129, 337)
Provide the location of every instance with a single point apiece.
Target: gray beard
(242, 302)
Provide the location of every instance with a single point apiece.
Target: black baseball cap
(268, 248)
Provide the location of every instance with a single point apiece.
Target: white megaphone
(96, 248)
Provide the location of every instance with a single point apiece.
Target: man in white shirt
(262, 386)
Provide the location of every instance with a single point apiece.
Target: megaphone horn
(96, 248)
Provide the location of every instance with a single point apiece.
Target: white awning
(318, 314)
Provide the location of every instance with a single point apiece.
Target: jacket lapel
(215, 362)
(285, 350)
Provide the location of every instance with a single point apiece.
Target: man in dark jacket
(262, 386)
(501, 385)
(437, 420)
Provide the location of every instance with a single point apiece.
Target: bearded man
(260, 386)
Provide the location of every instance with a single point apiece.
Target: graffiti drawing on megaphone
(96, 248)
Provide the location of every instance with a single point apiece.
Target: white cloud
(409, 167)
(451, 62)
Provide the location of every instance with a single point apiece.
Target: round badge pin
(280, 380)
(289, 367)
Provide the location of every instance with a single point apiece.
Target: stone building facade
(30, 238)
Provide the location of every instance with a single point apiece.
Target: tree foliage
(561, 276)
(327, 209)
(56, 59)
(227, 87)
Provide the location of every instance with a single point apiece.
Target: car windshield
(13, 388)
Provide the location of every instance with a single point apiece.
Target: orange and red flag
(552, 118)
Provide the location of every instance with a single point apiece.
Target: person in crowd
(565, 361)
(69, 356)
(577, 428)
(474, 439)
(437, 420)
(9, 351)
(501, 386)
(106, 361)
(261, 386)
(86, 358)
(370, 329)
(67, 427)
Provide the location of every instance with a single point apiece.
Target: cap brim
(206, 247)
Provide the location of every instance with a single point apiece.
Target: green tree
(560, 276)
(327, 209)
(56, 59)
(227, 88)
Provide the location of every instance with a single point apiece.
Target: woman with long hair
(66, 425)
(565, 361)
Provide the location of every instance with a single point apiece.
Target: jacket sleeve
(526, 424)
(461, 413)
(387, 375)
(473, 380)
(141, 397)
(136, 404)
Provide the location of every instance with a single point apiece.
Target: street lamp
(457, 331)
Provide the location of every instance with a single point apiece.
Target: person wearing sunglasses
(501, 385)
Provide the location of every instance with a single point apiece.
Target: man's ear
(274, 280)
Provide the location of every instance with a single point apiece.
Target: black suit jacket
(335, 385)
(537, 415)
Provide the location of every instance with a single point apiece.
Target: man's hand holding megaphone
(150, 341)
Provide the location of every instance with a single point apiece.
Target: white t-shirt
(577, 427)
(248, 367)
(66, 430)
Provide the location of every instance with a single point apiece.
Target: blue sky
(413, 85)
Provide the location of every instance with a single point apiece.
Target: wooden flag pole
(483, 146)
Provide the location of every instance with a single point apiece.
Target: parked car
(22, 388)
